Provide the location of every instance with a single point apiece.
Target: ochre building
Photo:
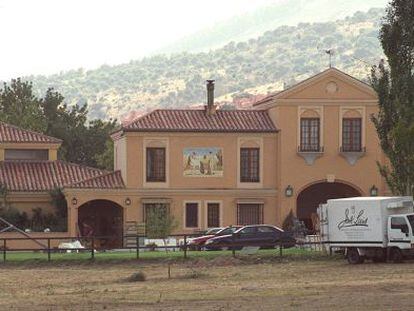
(293, 151)
(209, 167)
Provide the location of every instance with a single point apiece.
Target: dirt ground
(220, 284)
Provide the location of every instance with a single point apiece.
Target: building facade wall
(120, 156)
(52, 148)
(330, 164)
(180, 188)
(133, 211)
(330, 97)
(27, 201)
(175, 143)
(313, 100)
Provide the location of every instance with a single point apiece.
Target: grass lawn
(19, 257)
(300, 280)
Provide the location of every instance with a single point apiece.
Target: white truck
(376, 228)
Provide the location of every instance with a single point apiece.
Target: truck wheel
(353, 256)
(396, 255)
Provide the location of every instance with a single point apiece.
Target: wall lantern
(289, 191)
(127, 201)
(74, 201)
(373, 191)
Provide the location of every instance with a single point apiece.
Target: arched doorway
(102, 218)
(309, 198)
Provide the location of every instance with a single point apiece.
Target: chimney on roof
(210, 108)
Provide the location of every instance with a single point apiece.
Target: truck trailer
(375, 228)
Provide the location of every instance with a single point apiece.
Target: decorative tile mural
(203, 162)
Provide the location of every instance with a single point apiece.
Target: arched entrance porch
(309, 199)
(102, 218)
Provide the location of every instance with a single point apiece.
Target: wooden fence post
(93, 249)
(4, 250)
(48, 249)
(185, 246)
(233, 248)
(137, 237)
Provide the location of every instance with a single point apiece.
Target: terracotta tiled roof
(265, 99)
(48, 175)
(111, 180)
(13, 134)
(169, 120)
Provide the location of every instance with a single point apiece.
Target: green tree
(160, 223)
(100, 143)
(84, 142)
(105, 160)
(394, 84)
(61, 209)
(20, 107)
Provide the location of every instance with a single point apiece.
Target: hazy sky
(46, 36)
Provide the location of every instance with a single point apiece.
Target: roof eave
(197, 131)
(263, 101)
(57, 144)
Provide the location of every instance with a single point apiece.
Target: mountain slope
(256, 66)
(250, 25)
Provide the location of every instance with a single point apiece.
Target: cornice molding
(148, 192)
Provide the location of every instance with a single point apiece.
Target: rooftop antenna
(330, 52)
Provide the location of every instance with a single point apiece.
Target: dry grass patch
(231, 285)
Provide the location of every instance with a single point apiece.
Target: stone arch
(311, 196)
(352, 113)
(309, 113)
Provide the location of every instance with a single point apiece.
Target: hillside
(257, 66)
(269, 17)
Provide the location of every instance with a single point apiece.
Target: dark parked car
(263, 236)
(198, 242)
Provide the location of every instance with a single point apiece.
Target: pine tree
(19, 106)
(393, 81)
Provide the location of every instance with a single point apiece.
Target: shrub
(194, 274)
(13, 216)
(294, 225)
(160, 223)
(152, 246)
(38, 222)
(137, 277)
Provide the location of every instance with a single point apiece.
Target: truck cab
(400, 232)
